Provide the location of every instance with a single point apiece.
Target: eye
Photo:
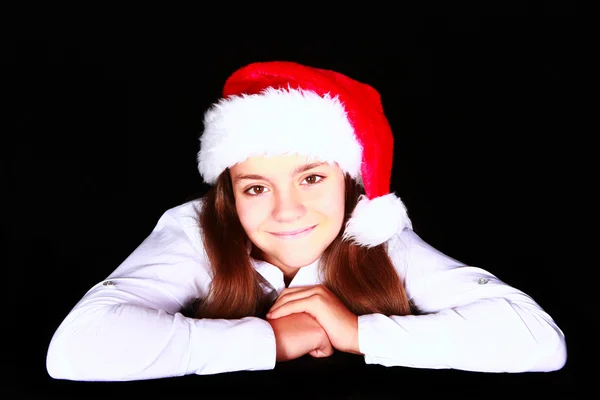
(255, 190)
(313, 179)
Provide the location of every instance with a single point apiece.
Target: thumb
(321, 353)
(325, 349)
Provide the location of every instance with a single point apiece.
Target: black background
(105, 110)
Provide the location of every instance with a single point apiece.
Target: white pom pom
(375, 221)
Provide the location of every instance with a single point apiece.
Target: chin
(299, 262)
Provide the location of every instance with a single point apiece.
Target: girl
(298, 248)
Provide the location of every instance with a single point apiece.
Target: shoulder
(186, 212)
(183, 219)
(170, 261)
(411, 254)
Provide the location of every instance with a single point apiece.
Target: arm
(129, 327)
(468, 320)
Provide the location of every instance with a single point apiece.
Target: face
(290, 207)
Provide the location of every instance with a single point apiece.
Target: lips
(295, 233)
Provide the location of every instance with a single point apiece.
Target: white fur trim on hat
(277, 122)
(375, 221)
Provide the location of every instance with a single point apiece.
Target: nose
(288, 206)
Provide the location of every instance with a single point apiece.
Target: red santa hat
(277, 108)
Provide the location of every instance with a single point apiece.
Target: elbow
(59, 359)
(549, 348)
(74, 348)
(553, 353)
(543, 341)
(68, 359)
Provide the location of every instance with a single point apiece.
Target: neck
(288, 273)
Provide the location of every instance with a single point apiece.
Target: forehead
(275, 165)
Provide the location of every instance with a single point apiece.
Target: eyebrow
(298, 170)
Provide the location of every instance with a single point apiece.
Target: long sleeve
(468, 319)
(129, 327)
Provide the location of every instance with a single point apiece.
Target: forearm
(490, 335)
(129, 342)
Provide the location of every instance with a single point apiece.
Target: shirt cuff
(225, 345)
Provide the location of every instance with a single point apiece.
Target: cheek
(332, 205)
(338, 209)
(251, 214)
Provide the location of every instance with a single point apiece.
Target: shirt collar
(306, 276)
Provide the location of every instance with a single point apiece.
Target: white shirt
(130, 326)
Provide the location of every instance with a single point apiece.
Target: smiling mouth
(294, 234)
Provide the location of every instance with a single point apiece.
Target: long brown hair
(364, 279)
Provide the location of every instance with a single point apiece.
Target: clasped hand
(338, 323)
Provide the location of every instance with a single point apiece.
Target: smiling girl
(298, 248)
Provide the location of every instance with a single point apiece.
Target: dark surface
(104, 118)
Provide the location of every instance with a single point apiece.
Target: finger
(281, 300)
(295, 289)
(294, 295)
(305, 304)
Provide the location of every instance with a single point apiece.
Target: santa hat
(277, 108)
